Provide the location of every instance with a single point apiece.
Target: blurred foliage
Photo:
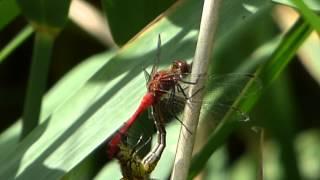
(92, 90)
(9, 10)
(124, 20)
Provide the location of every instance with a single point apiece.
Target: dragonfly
(132, 166)
(158, 84)
(168, 87)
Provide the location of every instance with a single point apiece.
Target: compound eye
(174, 66)
(181, 66)
(184, 67)
(177, 64)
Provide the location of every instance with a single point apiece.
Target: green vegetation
(64, 123)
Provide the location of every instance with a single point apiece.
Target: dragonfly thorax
(162, 82)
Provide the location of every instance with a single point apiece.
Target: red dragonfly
(167, 88)
(159, 83)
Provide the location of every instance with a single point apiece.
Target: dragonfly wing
(172, 107)
(157, 60)
(229, 87)
(225, 89)
(217, 112)
(220, 95)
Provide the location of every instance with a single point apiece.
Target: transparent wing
(157, 60)
(215, 111)
(223, 89)
(220, 94)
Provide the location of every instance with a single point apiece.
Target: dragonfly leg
(180, 89)
(151, 159)
(136, 149)
(188, 82)
(147, 76)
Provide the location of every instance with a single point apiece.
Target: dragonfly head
(181, 67)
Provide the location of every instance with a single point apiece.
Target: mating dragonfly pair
(132, 166)
(166, 88)
(160, 83)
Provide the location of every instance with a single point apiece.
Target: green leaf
(37, 81)
(217, 165)
(244, 168)
(47, 17)
(9, 139)
(77, 116)
(267, 73)
(279, 100)
(70, 84)
(310, 16)
(312, 4)
(111, 170)
(46, 13)
(61, 93)
(126, 18)
(15, 42)
(8, 11)
(307, 146)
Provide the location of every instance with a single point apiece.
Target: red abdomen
(113, 144)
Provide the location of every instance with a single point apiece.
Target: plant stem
(37, 81)
(192, 111)
(13, 44)
(279, 58)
